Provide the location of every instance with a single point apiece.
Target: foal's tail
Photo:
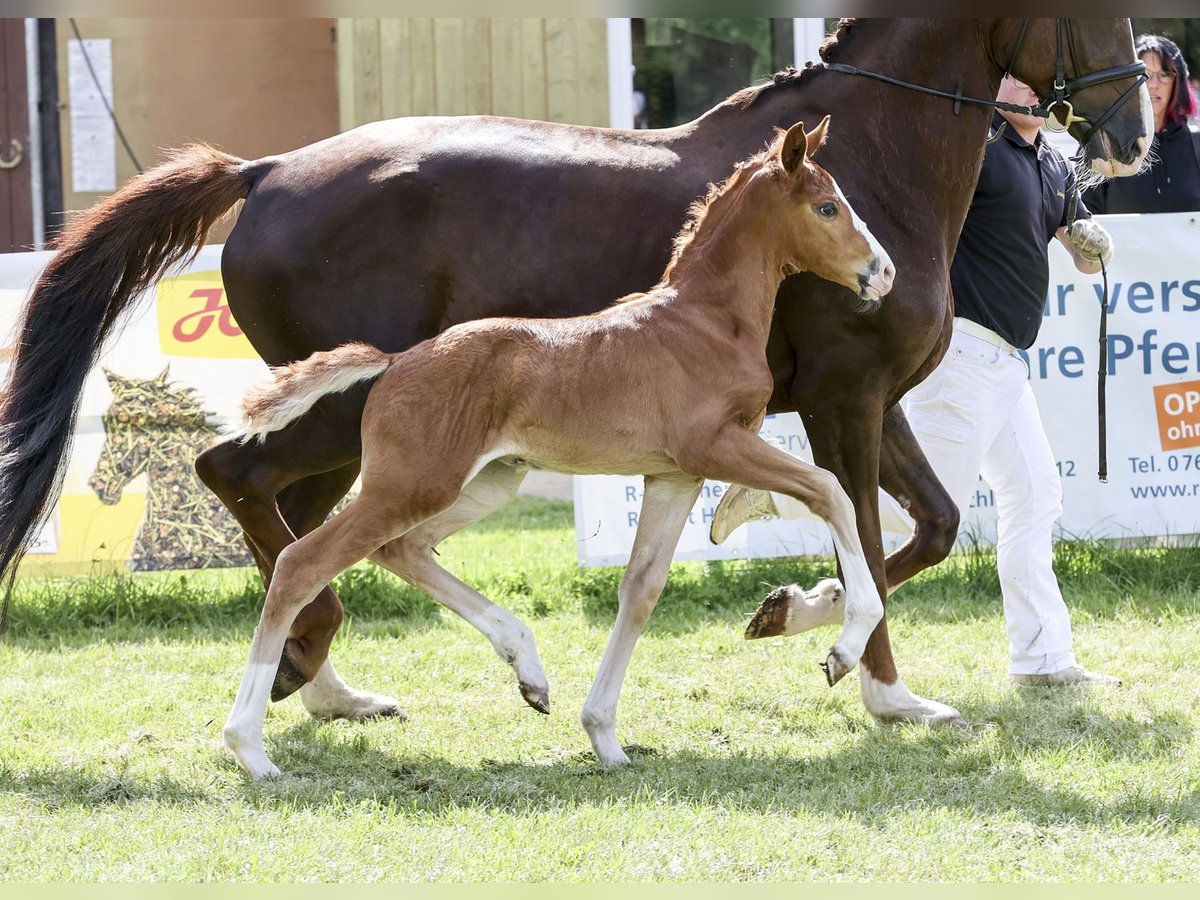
(106, 259)
(295, 388)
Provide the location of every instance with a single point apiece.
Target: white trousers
(976, 415)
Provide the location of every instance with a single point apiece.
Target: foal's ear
(793, 148)
(816, 137)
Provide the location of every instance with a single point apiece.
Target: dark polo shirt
(1001, 269)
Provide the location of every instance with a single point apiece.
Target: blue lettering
(631, 495)
(1114, 354)
(1070, 362)
(1114, 294)
(1139, 291)
(632, 519)
(1173, 354)
(1063, 290)
(1191, 290)
(1146, 346)
(1167, 287)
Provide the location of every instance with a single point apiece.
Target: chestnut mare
(397, 230)
(452, 426)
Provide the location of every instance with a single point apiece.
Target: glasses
(1161, 77)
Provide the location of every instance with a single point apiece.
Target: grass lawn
(748, 767)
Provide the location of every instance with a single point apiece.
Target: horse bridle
(1060, 92)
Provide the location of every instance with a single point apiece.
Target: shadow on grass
(884, 773)
(881, 773)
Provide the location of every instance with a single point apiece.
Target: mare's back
(397, 230)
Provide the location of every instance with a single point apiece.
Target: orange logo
(1178, 408)
(194, 319)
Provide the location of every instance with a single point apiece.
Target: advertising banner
(164, 390)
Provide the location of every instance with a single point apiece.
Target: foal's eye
(827, 210)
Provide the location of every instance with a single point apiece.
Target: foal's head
(817, 229)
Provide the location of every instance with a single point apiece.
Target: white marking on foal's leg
(863, 609)
(896, 703)
(243, 730)
(790, 610)
(328, 697)
(666, 503)
(513, 642)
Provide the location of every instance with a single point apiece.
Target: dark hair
(1183, 101)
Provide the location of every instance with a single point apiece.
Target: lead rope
(1101, 375)
(1102, 371)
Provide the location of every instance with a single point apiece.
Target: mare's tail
(295, 388)
(105, 260)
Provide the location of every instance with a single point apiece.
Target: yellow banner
(194, 319)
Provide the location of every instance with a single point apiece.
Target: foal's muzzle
(875, 282)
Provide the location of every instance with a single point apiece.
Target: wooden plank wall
(552, 69)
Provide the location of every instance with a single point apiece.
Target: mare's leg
(301, 570)
(248, 478)
(665, 508)
(907, 476)
(411, 557)
(846, 441)
(737, 454)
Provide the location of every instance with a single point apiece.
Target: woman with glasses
(1172, 183)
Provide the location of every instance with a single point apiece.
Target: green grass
(748, 768)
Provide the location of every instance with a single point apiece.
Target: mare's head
(818, 230)
(1088, 47)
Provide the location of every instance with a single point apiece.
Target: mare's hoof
(538, 698)
(771, 616)
(834, 668)
(288, 679)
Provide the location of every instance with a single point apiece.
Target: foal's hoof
(835, 668)
(770, 619)
(288, 679)
(538, 698)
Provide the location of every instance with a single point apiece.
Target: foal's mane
(704, 216)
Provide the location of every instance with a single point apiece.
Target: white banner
(1153, 413)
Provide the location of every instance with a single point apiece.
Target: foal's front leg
(738, 455)
(665, 508)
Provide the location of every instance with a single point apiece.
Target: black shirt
(1171, 184)
(1001, 269)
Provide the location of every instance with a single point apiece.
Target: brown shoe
(1068, 676)
(739, 505)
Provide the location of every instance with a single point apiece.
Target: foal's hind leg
(411, 557)
(301, 570)
(665, 507)
(247, 478)
(740, 456)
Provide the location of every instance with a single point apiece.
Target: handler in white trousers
(976, 413)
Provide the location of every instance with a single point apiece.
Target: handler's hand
(1091, 241)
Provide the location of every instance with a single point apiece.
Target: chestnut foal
(671, 384)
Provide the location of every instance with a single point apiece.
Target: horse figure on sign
(378, 218)
(155, 428)
(452, 426)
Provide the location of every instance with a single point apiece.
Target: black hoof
(828, 675)
(288, 679)
(536, 697)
